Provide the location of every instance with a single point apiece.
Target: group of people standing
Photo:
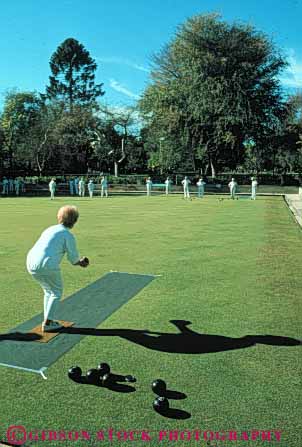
(233, 187)
(12, 186)
(185, 182)
(77, 186)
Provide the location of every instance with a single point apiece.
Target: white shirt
(149, 183)
(81, 184)
(254, 183)
(52, 185)
(232, 185)
(104, 183)
(201, 183)
(168, 182)
(186, 182)
(91, 185)
(48, 251)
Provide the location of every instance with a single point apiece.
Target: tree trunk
(115, 169)
(213, 171)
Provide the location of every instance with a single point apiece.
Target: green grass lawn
(231, 268)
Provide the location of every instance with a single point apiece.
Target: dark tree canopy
(73, 74)
(214, 86)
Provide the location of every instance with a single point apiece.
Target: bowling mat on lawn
(87, 308)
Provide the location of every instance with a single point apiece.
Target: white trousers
(253, 193)
(52, 194)
(104, 190)
(200, 191)
(52, 285)
(186, 192)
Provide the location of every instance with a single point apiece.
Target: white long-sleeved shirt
(52, 185)
(232, 185)
(48, 251)
(186, 182)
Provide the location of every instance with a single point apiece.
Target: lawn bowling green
(231, 268)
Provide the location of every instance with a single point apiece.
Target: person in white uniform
(149, 186)
(168, 184)
(71, 186)
(76, 185)
(43, 262)
(233, 188)
(22, 185)
(52, 188)
(90, 188)
(17, 186)
(4, 186)
(104, 187)
(11, 185)
(254, 188)
(200, 187)
(186, 182)
(82, 187)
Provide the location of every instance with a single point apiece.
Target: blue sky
(123, 34)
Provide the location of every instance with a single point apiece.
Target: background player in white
(11, 185)
(22, 185)
(71, 186)
(104, 186)
(90, 188)
(200, 187)
(76, 185)
(52, 188)
(186, 182)
(233, 188)
(17, 186)
(82, 187)
(43, 261)
(168, 183)
(149, 186)
(4, 186)
(254, 188)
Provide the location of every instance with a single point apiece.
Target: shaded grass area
(231, 268)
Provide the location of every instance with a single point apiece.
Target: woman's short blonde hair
(68, 215)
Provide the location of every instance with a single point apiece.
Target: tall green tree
(287, 154)
(214, 86)
(20, 114)
(73, 75)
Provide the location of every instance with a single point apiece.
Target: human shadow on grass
(20, 336)
(186, 341)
